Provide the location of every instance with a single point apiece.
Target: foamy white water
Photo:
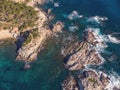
(73, 28)
(114, 81)
(97, 19)
(74, 15)
(113, 39)
(56, 4)
(98, 38)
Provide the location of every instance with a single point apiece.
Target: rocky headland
(29, 52)
(30, 40)
(80, 54)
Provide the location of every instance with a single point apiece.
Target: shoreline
(5, 34)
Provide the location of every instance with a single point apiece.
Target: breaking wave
(96, 19)
(103, 39)
(73, 28)
(113, 39)
(114, 82)
(99, 37)
(56, 4)
(73, 16)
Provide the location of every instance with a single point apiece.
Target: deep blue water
(47, 73)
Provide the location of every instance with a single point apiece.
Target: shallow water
(46, 73)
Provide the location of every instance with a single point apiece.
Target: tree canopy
(17, 14)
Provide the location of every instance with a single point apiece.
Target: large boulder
(70, 84)
(88, 80)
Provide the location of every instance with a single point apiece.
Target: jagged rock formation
(57, 27)
(82, 53)
(30, 51)
(70, 84)
(88, 80)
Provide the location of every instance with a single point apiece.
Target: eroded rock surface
(88, 80)
(57, 27)
(29, 52)
(70, 84)
(83, 53)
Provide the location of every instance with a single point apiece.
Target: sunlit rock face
(80, 54)
(70, 84)
(88, 80)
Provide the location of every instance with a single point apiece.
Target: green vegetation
(35, 33)
(16, 15)
(28, 40)
(92, 80)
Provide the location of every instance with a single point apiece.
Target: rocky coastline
(77, 54)
(29, 52)
(83, 53)
(87, 80)
(77, 57)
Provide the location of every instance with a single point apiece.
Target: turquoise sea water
(47, 73)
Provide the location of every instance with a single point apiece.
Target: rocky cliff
(29, 52)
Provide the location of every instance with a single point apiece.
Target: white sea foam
(114, 81)
(74, 15)
(101, 72)
(98, 38)
(113, 39)
(97, 19)
(56, 4)
(102, 39)
(73, 28)
(97, 72)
